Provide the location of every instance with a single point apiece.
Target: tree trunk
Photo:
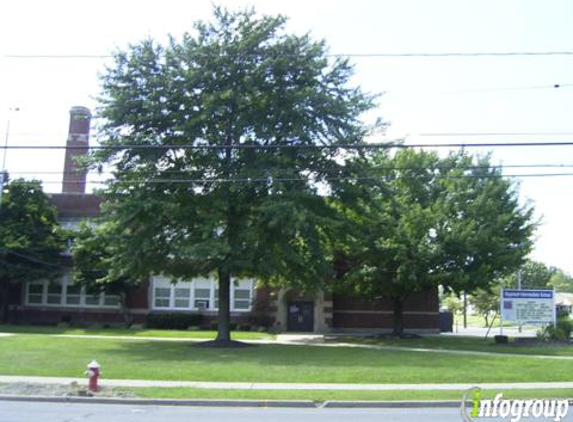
(224, 326)
(465, 310)
(125, 310)
(398, 329)
(4, 288)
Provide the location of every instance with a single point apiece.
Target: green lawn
(100, 331)
(163, 360)
(360, 395)
(469, 343)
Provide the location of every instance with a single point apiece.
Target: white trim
(200, 283)
(65, 281)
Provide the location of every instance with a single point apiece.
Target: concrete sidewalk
(286, 386)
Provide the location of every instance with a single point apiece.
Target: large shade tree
(31, 240)
(223, 160)
(98, 266)
(426, 221)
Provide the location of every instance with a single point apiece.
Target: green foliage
(452, 303)
(98, 264)
(31, 241)
(432, 221)
(561, 281)
(533, 275)
(486, 301)
(254, 211)
(173, 321)
(558, 332)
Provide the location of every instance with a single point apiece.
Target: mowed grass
(470, 343)
(125, 332)
(41, 355)
(325, 395)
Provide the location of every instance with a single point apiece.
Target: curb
(392, 404)
(162, 402)
(237, 403)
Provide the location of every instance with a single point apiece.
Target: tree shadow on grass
(288, 363)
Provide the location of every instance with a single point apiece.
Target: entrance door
(300, 316)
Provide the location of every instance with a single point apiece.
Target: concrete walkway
(286, 386)
(442, 351)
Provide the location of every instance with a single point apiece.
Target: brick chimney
(78, 136)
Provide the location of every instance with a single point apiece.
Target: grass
(324, 395)
(479, 322)
(127, 332)
(39, 355)
(471, 344)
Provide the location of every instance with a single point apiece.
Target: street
(77, 412)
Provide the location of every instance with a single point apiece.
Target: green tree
(533, 275)
(258, 111)
(31, 241)
(486, 301)
(429, 221)
(97, 262)
(561, 281)
(451, 302)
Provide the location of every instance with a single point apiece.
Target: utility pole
(3, 169)
(465, 310)
(519, 275)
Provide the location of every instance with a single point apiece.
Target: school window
(67, 294)
(200, 294)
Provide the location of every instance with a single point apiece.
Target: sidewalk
(286, 386)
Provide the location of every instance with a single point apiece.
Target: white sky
(422, 95)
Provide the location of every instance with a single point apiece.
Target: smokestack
(78, 137)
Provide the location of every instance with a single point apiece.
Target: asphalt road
(77, 412)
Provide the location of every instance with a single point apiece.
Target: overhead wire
(370, 145)
(414, 54)
(270, 179)
(371, 168)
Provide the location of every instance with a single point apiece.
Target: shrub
(560, 332)
(566, 325)
(173, 321)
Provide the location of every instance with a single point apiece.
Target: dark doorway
(300, 316)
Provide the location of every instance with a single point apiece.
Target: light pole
(3, 169)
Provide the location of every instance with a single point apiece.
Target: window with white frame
(64, 293)
(242, 295)
(199, 294)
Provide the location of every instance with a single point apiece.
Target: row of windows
(44, 293)
(199, 294)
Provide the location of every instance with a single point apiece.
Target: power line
(350, 55)
(505, 89)
(33, 259)
(437, 134)
(40, 140)
(270, 179)
(358, 169)
(364, 146)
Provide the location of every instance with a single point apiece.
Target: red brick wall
(421, 311)
(76, 205)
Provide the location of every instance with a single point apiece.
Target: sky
(458, 99)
